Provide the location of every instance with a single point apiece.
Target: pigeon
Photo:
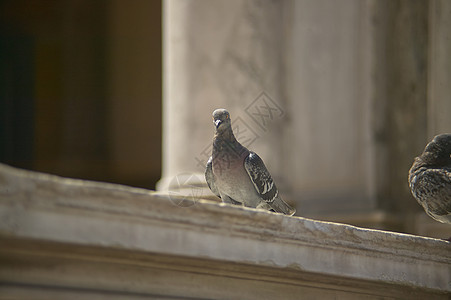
(430, 178)
(239, 176)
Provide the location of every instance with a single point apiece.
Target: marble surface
(42, 207)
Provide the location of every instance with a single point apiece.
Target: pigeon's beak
(217, 123)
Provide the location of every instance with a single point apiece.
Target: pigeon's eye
(227, 116)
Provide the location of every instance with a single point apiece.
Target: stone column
(399, 100)
(356, 87)
(328, 137)
(220, 54)
(439, 84)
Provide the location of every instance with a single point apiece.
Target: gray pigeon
(237, 175)
(430, 178)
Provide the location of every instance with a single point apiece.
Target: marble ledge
(42, 207)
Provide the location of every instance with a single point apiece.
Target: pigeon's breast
(233, 180)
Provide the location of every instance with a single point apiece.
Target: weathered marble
(76, 238)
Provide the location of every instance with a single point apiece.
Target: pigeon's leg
(227, 199)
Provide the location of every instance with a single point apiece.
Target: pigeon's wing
(260, 177)
(434, 188)
(210, 178)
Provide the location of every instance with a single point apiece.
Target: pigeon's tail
(281, 206)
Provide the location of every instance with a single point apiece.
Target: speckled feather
(260, 177)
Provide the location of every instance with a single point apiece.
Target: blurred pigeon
(237, 175)
(430, 178)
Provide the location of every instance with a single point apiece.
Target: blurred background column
(365, 108)
(329, 144)
(439, 84)
(220, 54)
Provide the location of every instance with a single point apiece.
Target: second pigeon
(430, 178)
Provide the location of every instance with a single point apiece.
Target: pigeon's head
(440, 146)
(221, 119)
